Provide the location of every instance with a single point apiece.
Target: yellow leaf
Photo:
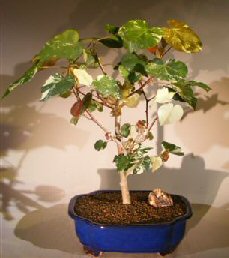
(132, 101)
(181, 37)
(156, 162)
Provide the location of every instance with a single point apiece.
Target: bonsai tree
(143, 73)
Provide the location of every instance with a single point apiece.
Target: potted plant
(111, 220)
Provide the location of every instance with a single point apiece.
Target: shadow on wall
(210, 120)
(23, 128)
(193, 180)
(23, 199)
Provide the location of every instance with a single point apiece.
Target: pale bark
(123, 180)
(124, 188)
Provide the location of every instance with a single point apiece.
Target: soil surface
(106, 208)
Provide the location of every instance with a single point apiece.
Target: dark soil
(106, 208)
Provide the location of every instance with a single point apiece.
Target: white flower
(83, 76)
(169, 113)
(163, 95)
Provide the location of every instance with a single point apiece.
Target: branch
(153, 122)
(91, 117)
(117, 124)
(147, 108)
(108, 134)
(166, 51)
(142, 86)
(101, 66)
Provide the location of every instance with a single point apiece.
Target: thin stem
(142, 86)
(97, 122)
(147, 108)
(153, 122)
(166, 51)
(101, 66)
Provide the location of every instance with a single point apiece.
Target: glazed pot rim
(73, 215)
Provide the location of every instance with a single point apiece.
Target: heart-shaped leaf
(169, 113)
(107, 86)
(137, 34)
(164, 95)
(181, 37)
(171, 70)
(156, 163)
(57, 85)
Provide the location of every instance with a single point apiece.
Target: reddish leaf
(76, 109)
(152, 49)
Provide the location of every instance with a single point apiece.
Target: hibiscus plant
(142, 74)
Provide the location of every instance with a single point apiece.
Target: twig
(153, 122)
(142, 86)
(101, 66)
(166, 51)
(147, 108)
(91, 117)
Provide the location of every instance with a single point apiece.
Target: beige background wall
(45, 160)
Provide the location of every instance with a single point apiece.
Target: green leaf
(26, 77)
(181, 37)
(112, 29)
(74, 120)
(137, 34)
(95, 105)
(90, 58)
(172, 148)
(146, 162)
(150, 136)
(100, 145)
(185, 92)
(125, 130)
(123, 162)
(170, 70)
(199, 84)
(86, 101)
(64, 45)
(107, 86)
(57, 85)
(112, 41)
(132, 67)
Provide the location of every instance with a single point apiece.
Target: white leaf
(163, 95)
(83, 76)
(169, 113)
(156, 162)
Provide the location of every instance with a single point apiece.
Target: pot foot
(171, 250)
(91, 252)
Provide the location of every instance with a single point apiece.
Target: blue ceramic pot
(160, 238)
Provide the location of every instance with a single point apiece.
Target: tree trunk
(123, 182)
(124, 188)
